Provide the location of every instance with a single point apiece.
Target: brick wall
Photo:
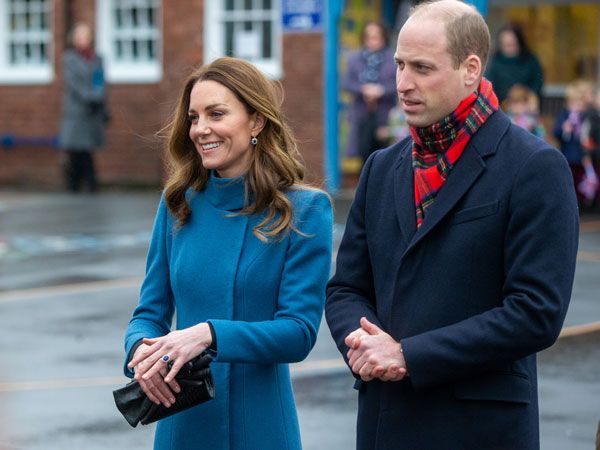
(133, 155)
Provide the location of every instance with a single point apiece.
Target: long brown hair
(275, 166)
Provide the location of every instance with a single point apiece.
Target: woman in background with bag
(241, 250)
(84, 113)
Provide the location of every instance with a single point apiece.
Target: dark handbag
(195, 381)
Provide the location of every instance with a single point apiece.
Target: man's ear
(472, 74)
(259, 123)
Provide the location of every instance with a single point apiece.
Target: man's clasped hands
(375, 354)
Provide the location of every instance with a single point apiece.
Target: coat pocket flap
(475, 212)
(501, 387)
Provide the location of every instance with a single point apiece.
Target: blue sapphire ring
(165, 358)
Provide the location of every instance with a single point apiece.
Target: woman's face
(373, 37)
(82, 37)
(221, 129)
(509, 45)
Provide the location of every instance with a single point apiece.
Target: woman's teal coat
(264, 300)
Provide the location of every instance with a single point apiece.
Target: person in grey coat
(84, 113)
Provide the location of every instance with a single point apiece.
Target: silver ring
(165, 358)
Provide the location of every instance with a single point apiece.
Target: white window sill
(133, 73)
(26, 75)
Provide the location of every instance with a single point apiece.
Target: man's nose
(404, 81)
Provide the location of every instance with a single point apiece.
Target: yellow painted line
(312, 366)
(578, 330)
(589, 227)
(588, 256)
(69, 289)
(69, 383)
(317, 366)
(15, 386)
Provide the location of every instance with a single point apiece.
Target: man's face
(428, 85)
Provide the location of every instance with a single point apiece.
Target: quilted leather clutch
(195, 381)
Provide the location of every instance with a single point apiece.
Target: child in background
(396, 128)
(567, 129)
(522, 106)
(590, 142)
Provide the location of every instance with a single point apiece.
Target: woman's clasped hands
(152, 359)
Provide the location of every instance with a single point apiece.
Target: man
(458, 259)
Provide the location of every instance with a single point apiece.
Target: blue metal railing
(10, 141)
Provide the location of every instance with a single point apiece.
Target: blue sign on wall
(302, 15)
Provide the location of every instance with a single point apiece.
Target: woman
(84, 113)
(513, 63)
(241, 250)
(371, 79)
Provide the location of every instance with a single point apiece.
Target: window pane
(44, 54)
(150, 48)
(13, 52)
(229, 38)
(118, 50)
(118, 18)
(228, 5)
(134, 17)
(248, 5)
(248, 26)
(150, 14)
(267, 4)
(267, 40)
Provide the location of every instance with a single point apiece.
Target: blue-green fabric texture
(264, 300)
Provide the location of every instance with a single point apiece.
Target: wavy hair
(275, 165)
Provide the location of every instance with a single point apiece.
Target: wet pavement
(70, 268)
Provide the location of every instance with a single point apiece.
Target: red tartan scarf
(437, 148)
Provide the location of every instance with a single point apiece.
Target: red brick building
(149, 47)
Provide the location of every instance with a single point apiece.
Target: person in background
(458, 258)
(567, 130)
(370, 79)
(84, 111)
(241, 252)
(513, 63)
(590, 142)
(396, 129)
(522, 107)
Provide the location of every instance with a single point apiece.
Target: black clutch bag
(195, 381)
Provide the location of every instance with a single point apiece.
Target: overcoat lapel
(463, 175)
(468, 168)
(404, 196)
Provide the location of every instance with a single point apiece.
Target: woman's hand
(155, 387)
(178, 347)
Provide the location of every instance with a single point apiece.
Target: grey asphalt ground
(70, 268)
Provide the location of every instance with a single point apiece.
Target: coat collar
(468, 169)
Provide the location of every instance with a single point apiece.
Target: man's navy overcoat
(472, 295)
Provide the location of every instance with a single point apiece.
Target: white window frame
(125, 71)
(214, 33)
(25, 73)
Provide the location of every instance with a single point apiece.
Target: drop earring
(253, 141)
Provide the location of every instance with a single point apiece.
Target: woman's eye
(192, 118)
(216, 114)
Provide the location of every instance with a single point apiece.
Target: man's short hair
(466, 31)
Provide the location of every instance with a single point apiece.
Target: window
(248, 29)
(25, 39)
(129, 40)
